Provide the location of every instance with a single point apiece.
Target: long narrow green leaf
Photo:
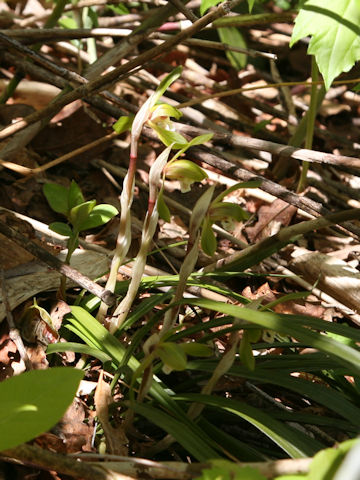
(179, 430)
(308, 362)
(282, 323)
(332, 399)
(239, 449)
(95, 335)
(78, 348)
(313, 419)
(294, 442)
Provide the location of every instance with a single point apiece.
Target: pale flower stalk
(149, 228)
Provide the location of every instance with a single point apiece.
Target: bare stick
(189, 14)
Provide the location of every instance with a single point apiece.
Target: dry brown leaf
(270, 219)
(76, 428)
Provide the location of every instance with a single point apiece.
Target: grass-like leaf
(330, 398)
(293, 442)
(282, 323)
(195, 445)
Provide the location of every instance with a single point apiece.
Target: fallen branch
(127, 468)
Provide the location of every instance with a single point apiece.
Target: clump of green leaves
(80, 215)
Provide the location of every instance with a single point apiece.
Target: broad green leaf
(208, 239)
(233, 37)
(80, 213)
(61, 228)
(57, 197)
(206, 4)
(196, 349)
(123, 124)
(99, 215)
(334, 26)
(75, 196)
(172, 355)
(169, 137)
(33, 402)
(162, 208)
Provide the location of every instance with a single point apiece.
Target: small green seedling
(80, 215)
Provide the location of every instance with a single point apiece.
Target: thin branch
(197, 42)
(189, 14)
(32, 35)
(278, 149)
